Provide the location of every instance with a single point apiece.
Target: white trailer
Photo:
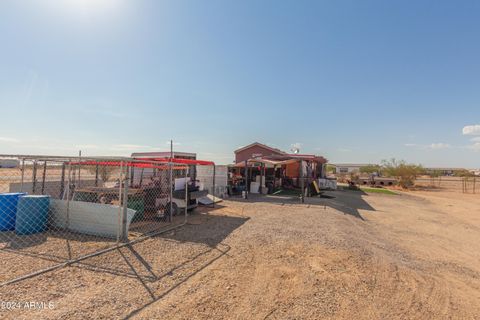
(9, 163)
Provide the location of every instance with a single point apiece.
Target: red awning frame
(180, 161)
(119, 163)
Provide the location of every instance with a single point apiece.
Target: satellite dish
(296, 148)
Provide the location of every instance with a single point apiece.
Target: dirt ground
(351, 256)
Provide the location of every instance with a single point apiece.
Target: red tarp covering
(181, 161)
(117, 163)
(139, 164)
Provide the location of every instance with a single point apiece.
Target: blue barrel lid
(36, 196)
(13, 193)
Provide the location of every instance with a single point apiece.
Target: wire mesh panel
(157, 193)
(214, 179)
(56, 210)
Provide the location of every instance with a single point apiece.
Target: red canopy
(181, 161)
(117, 163)
(149, 162)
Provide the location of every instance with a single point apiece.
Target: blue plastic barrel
(8, 210)
(32, 214)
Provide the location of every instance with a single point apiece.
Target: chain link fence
(453, 184)
(58, 210)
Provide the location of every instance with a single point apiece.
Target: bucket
(137, 204)
(8, 210)
(32, 214)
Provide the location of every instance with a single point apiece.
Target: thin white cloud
(87, 146)
(98, 107)
(344, 150)
(476, 139)
(432, 146)
(474, 147)
(174, 143)
(471, 130)
(440, 145)
(30, 84)
(8, 139)
(130, 147)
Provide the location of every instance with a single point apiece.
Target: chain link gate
(58, 210)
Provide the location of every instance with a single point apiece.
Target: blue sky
(355, 81)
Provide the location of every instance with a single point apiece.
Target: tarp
(208, 199)
(117, 163)
(181, 161)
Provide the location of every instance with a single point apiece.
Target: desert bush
(371, 169)
(404, 172)
(104, 172)
(354, 176)
(463, 173)
(330, 168)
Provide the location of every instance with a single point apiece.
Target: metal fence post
(125, 204)
(213, 192)
(132, 177)
(34, 176)
(68, 192)
(170, 183)
(62, 181)
(246, 179)
(44, 176)
(79, 167)
(302, 183)
(120, 201)
(23, 174)
(96, 175)
(170, 179)
(186, 194)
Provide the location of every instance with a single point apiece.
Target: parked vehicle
(9, 163)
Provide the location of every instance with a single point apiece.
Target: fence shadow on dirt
(52, 247)
(204, 232)
(55, 246)
(218, 253)
(346, 201)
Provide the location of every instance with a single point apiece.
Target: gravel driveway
(409, 256)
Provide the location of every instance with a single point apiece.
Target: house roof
(351, 164)
(268, 162)
(306, 157)
(164, 154)
(260, 145)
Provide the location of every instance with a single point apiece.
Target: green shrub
(404, 172)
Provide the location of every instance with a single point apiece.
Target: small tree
(330, 168)
(104, 172)
(435, 174)
(371, 169)
(463, 173)
(404, 172)
(354, 176)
